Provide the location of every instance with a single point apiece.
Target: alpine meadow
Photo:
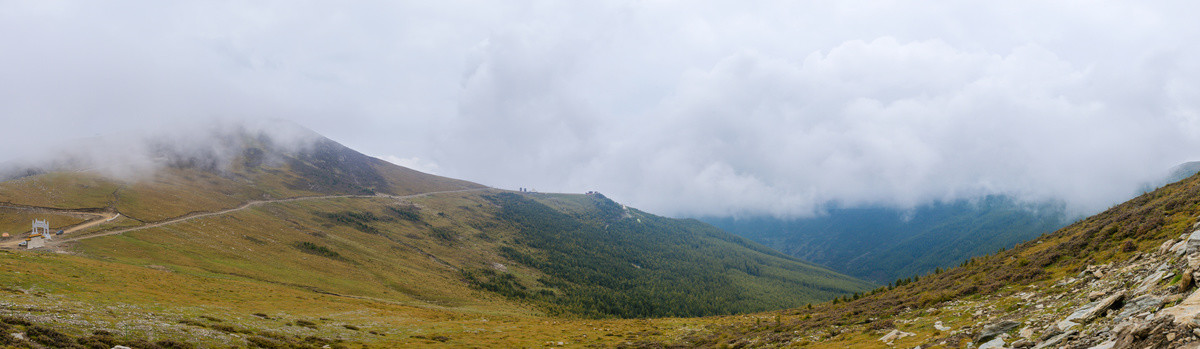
(599, 174)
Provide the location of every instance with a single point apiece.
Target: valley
(1124, 278)
(365, 254)
(599, 174)
(884, 244)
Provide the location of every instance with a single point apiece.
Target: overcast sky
(677, 107)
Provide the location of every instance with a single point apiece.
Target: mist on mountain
(212, 144)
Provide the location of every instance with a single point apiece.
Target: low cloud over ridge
(679, 108)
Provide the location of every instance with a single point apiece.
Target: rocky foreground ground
(1148, 301)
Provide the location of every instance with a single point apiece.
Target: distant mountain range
(1122, 279)
(883, 244)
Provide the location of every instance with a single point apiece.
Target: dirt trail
(107, 217)
(101, 218)
(252, 204)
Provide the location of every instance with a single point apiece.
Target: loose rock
(1053, 341)
(1166, 246)
(1186, 310)
(992, 344)
(940, 327)
(1026, 333)
(1187, 281)
(894, 335)
(993, 330)
(1139, 305)
(1193, 242)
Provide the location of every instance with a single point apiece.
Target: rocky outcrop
(1121, 305)
(1186, 311)
(993, 330)
(1102, 306)
(995, 343)
(1193, 243)
(1130, 300)
(1055, 340)
(1147, 301)
(894, 335)
(1140, 306)
(1158, 333)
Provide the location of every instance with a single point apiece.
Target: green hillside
(323, 242)
(603, 259)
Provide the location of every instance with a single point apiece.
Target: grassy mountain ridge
(355, 262)
(326, 225)
(199, 180)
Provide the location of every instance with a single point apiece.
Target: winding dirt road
(102, 217)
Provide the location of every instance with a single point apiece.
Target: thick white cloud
(681, 108)
(884, 122)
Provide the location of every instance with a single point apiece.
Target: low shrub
(50, 337)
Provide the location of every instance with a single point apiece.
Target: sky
(682, 108)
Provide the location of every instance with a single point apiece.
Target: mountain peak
(221, 165)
